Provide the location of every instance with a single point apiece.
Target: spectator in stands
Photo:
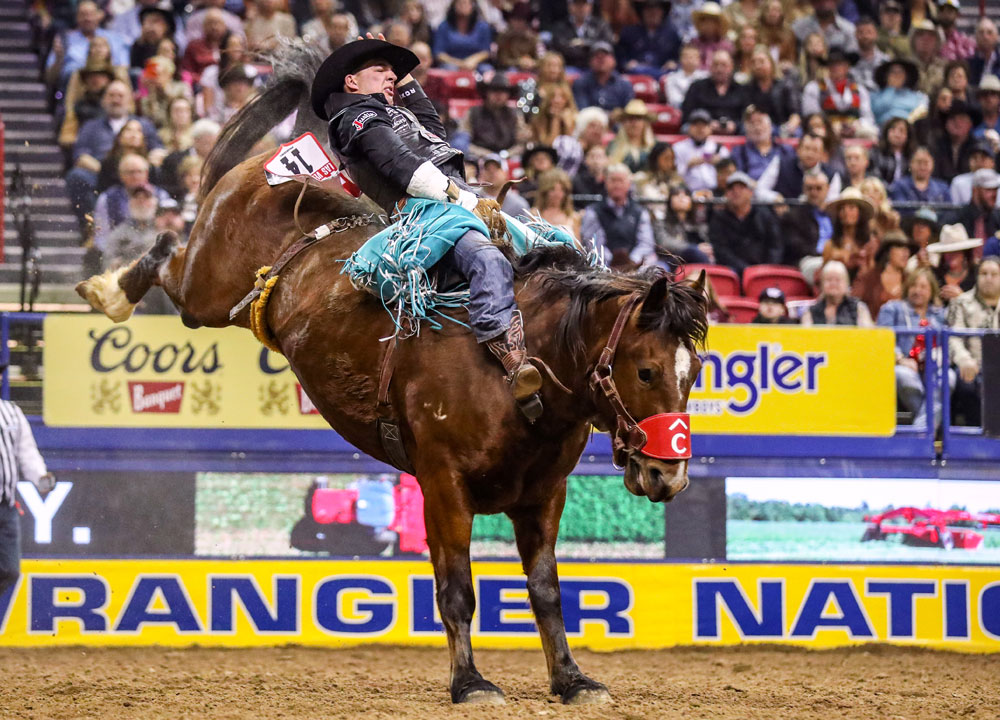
(158, 88)
(517, 46)
(601, 85)
(204, 133)
(494, 125)
(792, 169)
(95, 140)
(927, 130)
(554, 201)
(925, 42)
(919, 307)
(237, 85)
(551, 72)
(677, 83)
(493, 171)
(886, 218)
(206, 50)
(112, 205)
(954, 258)
(194, 24)
(806, 229)
(836, 30)
(537, 159)
(981, 217)
(724, 167)
(973, 309)
(741, 233)
(635, 136)
(812, 59)
(870, 57)
(556, 116)
(85, 90)
(891, 37)
(986, 60)
(981, 156)
(819, 124)
(951, 155)
(329, 25)
(462, 41)
(591, 126)
(898, 96)
(129, 141)
(717, 94)
(920, 185)
(759, 151)
(156, 23)
(856, 164)
(619, 227)
(883, 281)
(190, 174)
(746, 43)
(128, 23)
(338, 32)
(778, 97)
(711, 26)
(69, 50)
(660, 173)
(267, 24)
(988, 99)
(574, 35)
(835, 305)
(423, 52)
(850, 242)
(697, 153)
(771, 308)
(176, 131)
(589, 179)
(135, 234)
(677, 233)
(843, 100)
(956, 78)
(891, 159)
(921, 227)
(415, 17)
(775, 34)
(653, 47)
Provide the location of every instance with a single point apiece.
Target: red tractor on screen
(931, 528)
(369, 517)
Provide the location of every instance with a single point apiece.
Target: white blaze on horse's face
(682, 366)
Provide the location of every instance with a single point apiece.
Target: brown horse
(472, 450)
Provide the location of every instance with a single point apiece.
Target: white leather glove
(463, 198)
(46, 483)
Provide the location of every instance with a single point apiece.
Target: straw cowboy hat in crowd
(954, 238)
(711, 11)
(852, 196)
(635, 108)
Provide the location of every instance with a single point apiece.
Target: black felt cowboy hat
(838, 54)
(499, 82)
(909, 67)
(348, 59)
(164, 10)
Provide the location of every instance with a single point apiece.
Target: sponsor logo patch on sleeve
(360, 120)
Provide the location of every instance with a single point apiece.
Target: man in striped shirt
(19, 459)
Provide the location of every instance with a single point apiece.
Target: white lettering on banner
(43, 510)
(159, 399)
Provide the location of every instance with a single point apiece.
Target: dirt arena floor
(876, 682)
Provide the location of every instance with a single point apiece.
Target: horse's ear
(700, 283)
(657, 295)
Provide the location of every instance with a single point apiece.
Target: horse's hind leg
(116, 292)
(535, 529)
(449, 531)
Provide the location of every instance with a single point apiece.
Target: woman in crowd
(920, 185)
(635, 136)
(556, 116)
(891, 160)
(462, 41)
(884, 280)
(536, 160)
(812, 58)
(835, 305)
(776, 35)
(589, 179)
(780, 98)
(919, 307)
(660, 173)
(820, 124)
(955, 272)
(190, 174)
(741, 14)
(898, 96)
(551, 74)
(168, 49)
(922, 228)
(851, 214)
(746, 43)
(886, 219)
(956, 79)
(678, 233)
(554, 201)
(929, 128)
(591, 126)
(157, 88)
(176, 132)
(129, 141)
(233, 52)
(413, 14)
(86, 86)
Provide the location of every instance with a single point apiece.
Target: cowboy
(388, 136)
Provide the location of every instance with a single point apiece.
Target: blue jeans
(491, 283)
(10, 547)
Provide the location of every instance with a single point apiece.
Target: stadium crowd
(854, 141)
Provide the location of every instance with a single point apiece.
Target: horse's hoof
(481, 692)
(586, 693)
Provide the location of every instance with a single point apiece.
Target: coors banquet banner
(154, 372)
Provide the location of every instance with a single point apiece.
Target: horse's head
(654, 367)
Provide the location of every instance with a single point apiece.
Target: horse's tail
(295, 64)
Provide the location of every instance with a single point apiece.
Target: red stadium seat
(789, 279)
(724, 280)
(645, 88)
(741, 310)
(459, 108)
(668, 118)
(454, 84)
(519, 76)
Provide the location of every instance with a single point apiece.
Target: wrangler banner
(154, 372)
(606, 606)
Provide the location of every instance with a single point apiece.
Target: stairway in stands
(29, 142)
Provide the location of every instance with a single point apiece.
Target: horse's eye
(645, 375)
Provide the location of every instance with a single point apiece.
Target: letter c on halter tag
(669, 436)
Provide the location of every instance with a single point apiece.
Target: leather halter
(627, 436)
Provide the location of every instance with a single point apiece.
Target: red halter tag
(669, 436)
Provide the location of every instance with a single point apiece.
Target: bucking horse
(618, 347)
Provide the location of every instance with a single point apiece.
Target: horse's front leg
(536, 529)
(449, 531)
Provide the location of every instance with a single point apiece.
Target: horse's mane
(562, 271)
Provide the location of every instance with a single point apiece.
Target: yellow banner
(606, 606)
(154, 372)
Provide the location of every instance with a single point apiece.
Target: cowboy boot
(524, 378)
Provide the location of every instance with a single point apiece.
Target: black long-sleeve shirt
(754, 240)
